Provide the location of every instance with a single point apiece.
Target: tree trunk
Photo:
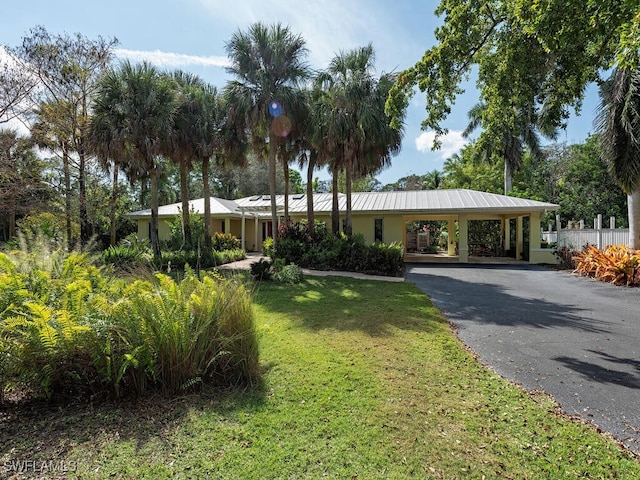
(155, 242)
(114, 198)
(184, 193)
(310, 216)
(507, 177)
(335, 206)
(633, 205)
(272, 185)
(67, 197)
(85, 235)
(285, 167)
(348, 229)
(206, 191)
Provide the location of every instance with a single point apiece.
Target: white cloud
(451, 143)
(169, 59)
(328, 26)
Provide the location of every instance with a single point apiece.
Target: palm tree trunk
(633, 205)
(206, 191)
(310, 215)
(285, 167)
(348, 229)
(114, 198)
(335, 212)
(508, 185)
(272, 185)
(184, 193)
(155, 241)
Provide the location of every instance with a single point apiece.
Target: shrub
(261, 270)
(224, 241)
(69, 328)
(617, 264)
(288, 274)
(336, 252)
(566, 257)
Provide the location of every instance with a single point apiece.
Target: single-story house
(379, 216)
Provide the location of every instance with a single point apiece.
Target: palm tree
(181, 147)
(213, 132)
(618, 123)
(268, 63)
(512, 141)
(132, 118)
(360, 135)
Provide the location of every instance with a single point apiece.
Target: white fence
(578, 237)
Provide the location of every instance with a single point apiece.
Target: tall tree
(529, 55)
(22, 187)
(510, 146)
(180, 148)
(68, 68)
(360, 135)
(211, 131)
(268, 63)
(51, 130)
(618, 122)
(133, 118)
(16, 85)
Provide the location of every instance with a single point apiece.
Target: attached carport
(458, 207)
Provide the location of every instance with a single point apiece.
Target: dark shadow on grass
(41, 432)
(348, 304)
(494, 303)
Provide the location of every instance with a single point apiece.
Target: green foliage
(69, 328)
(176, 239)
(129, 253)
(336, 252)
(261, 270)
(50, 225)
(291, 273)
(224, 241)
(575, 178)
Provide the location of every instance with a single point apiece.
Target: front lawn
(361, 379)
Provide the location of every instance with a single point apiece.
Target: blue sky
(191, 34)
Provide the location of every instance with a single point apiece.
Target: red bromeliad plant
(617, 264)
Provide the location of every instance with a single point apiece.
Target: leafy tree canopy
(530, 55)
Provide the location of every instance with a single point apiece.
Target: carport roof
(420, 201)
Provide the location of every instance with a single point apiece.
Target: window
(377, 230)
(223, 225)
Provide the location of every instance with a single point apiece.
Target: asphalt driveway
(574, 338)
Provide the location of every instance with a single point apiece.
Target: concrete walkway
(572, 337)
(253, 257)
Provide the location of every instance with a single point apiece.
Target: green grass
(361, 379)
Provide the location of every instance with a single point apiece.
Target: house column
(451, 234)
(519, 238)
(463, 238)
(255, 230)
(227, 225)
(244, 231)
(506, 238)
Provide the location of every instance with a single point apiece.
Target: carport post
(519, 238)
(451, 234)
(463, 240)
(506, 222)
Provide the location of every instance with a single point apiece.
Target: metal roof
(418, 201)
(432, 201)
(219, 206)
